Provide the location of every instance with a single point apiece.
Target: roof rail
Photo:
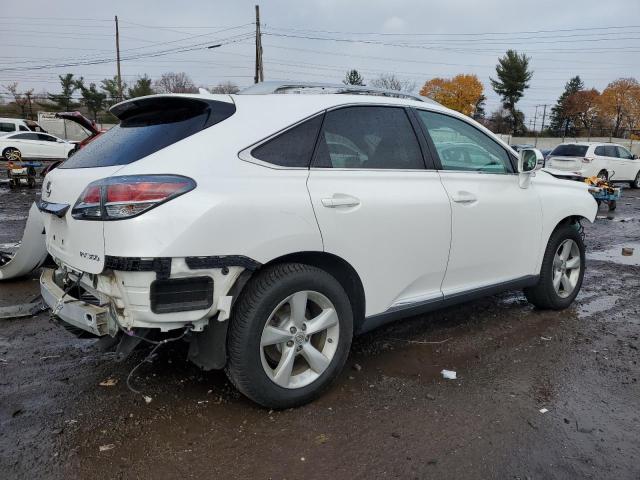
(265, 88)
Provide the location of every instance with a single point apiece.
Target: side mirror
(530, 160)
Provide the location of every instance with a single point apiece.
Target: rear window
(570, 151)
(7, 127)
(147, 126)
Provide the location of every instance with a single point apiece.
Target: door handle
(465, 198)
(340, 200)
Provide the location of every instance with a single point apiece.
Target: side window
(600, 151)
(368, 137)
(7, 127)
(610, 151)
(292, 148)
(25, 136)
(45, 138)
(23, 128)
(624, 153)
(461, 146)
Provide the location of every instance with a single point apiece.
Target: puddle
(614, 254)
(597, 304)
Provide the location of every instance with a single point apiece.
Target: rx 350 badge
(90, 256)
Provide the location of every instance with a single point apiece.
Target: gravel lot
(389, 415)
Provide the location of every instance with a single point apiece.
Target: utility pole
(259, 73)
(544, 115)
(535, 132)
(118, 60)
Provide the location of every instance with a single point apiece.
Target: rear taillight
(587, 160)
(117, 198)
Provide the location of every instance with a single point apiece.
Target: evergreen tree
(513, 77)
(353, 77)
(561, 120)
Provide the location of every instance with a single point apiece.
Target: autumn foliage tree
(618, 103)
(582, 107)
(462, 93)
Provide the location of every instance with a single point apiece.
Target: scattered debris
(421, 342)
(322, 438)
(48, 357)
(109, 382)
(627, 251)
(546, 339)
(357, 367)
(104, 448)
(449, 374)
(543, 410)
(147, 399)
(22, 310)
(430, 397)
(302, 459)
(395, 434)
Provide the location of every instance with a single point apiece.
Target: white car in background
(268, 229)
(608, 161)
(23, 145)
(11, 125)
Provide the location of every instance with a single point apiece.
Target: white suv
(274, 227)
(608, 161)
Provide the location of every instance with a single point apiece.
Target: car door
(50, 147)
(496, 225)
(627, 164)
(27, 143)
(378, 207)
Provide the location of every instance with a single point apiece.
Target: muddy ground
(389, 415)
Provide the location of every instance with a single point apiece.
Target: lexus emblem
(48, 189)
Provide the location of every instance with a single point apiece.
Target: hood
(81, 120)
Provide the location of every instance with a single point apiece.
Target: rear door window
(292, 148)
(25, 136)
(7, 127)
(599, 151)
(147, 126)
(610, 151)
(571, 151)
(368, 137)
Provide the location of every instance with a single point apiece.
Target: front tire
(289, 336)
(562, 270)
(636, 182)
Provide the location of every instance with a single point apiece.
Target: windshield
(570, 150)
(149, 127)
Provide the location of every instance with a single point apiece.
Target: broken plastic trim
(162, 265)
(57, 209)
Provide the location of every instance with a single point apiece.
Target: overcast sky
(416, 40)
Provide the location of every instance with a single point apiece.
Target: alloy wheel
(299, 340)
(566, 268)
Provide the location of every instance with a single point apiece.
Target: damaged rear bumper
(85, 316)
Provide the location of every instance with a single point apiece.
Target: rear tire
(562, 270)
(12, 154)
(267, 334)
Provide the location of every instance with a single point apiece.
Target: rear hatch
(567, 157)
(147, 125)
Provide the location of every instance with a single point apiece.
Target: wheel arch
(336, 266)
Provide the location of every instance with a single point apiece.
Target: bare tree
(24, 100)
(389, 81)
(225, 87)
(173, 82)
